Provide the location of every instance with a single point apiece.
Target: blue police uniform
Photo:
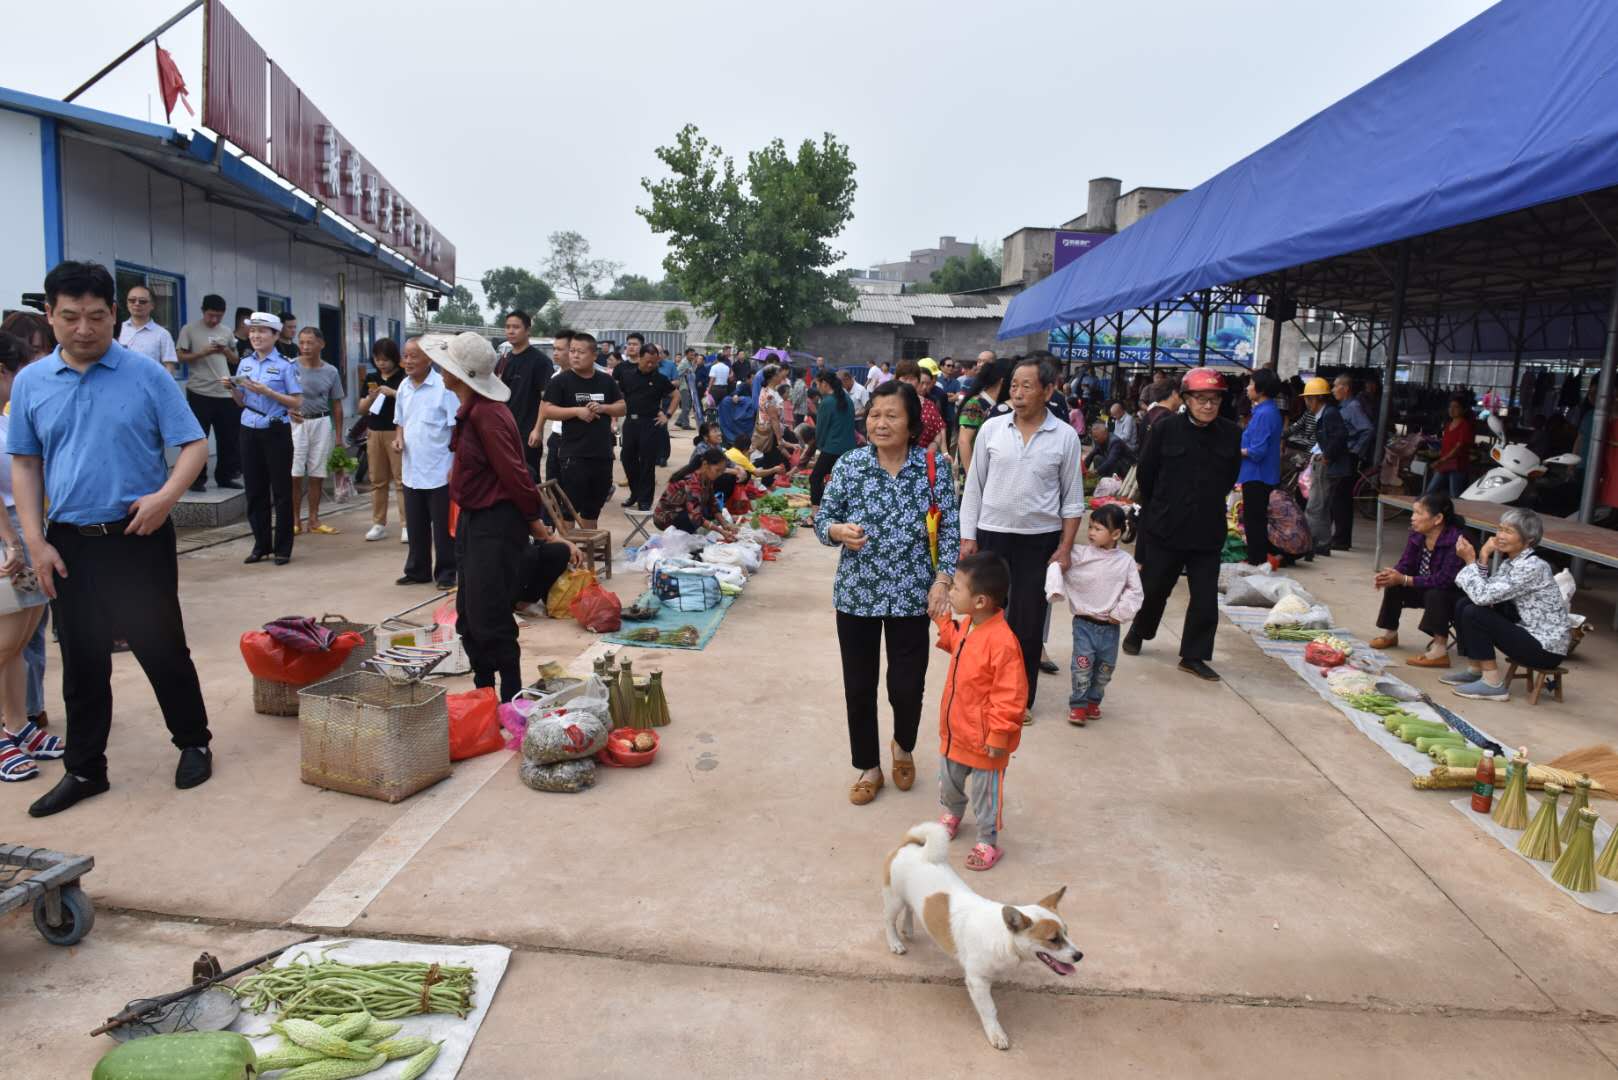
(267, 453)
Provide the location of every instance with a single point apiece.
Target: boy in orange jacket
(980, 722)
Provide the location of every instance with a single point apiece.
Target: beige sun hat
(470, 358)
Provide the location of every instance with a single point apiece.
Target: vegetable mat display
(307, 989)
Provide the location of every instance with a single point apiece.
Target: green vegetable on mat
(1459, 757)
(1425, 743)
(188, 1055)
(289, 1055)
(1293, 633)
(419, 1064)
(306, 989)
(1411, 730)
(379, 1030)
(310, 1034)
(336, 1069)
(408, 1046)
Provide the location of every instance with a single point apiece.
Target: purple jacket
(1445, 563)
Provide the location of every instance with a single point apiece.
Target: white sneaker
(404, 535)
(376, 532)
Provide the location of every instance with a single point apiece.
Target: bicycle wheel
(1365, 492)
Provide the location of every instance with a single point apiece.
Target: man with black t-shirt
(644, 388)
(584, 400)
(526, 372)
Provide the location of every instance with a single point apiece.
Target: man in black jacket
(1189, 465)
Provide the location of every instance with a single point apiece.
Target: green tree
(570, 267)
(460, 309)
(674, 319)
(508, 288)
(977, 271)
(638, 287)
(755, 246)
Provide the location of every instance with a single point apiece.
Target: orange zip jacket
(985, 695)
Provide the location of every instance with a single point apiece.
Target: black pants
(534, 457)
(860, 640)
(665, 445)
(641, 447)
(1256, 520)
(817, 476)
(772, 457)
(221, 415)
(1161, 571)
(427, 518)
(267, 476)
(489, 547)
(1437, 608)
(1480, 630)
(1028, 556)
(121, 587)
(542, 564)
(1342, 507)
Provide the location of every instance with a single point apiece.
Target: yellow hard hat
(1317, 387)
(927, 363)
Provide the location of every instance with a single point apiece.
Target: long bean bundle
(305, 989)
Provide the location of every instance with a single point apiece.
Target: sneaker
(1460, 678)
(404, 536)
(1078, 716)
(1094, 710)
(1482, 690)
(376, 532)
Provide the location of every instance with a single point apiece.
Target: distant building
(893, 328)
(614, 320)
(875, 281)
(1029, 254)
(923, 261)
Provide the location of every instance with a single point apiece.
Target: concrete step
(211, 508)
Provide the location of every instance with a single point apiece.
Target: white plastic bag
(744, 554)
(1287, 613)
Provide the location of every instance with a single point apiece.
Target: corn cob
(1425, 743)
(1461, 757)
(336, 1069)
(420, 1063)
(409, 1046)
(310, 1034)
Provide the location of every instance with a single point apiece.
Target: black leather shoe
(199, 484)
(257, 556)
(282, 560)
(408, 580)
(196, 765)
(1131, 645)
(68, 790)
(627, 503)
(446, 585)
(1049, 667)
(1200, 669)
(234, 485)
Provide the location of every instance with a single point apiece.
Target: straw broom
(1575, 871)
(1540, 840)
(1599, 763)
(1607, 865)
(1511, 812)
(1570, 817)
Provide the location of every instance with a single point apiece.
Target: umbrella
(780, 356)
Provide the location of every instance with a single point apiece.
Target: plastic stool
(640, 523)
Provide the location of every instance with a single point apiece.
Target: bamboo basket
(274, 698)
(341, 624)
(281, 699)
(365, 735)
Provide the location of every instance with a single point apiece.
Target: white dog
(987, 937)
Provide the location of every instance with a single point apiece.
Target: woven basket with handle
(366, 735)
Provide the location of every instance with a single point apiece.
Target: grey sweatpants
(987, 788)
(1318, 510)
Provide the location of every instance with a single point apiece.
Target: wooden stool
(595, 543)
(1537, 680)
(639, 522)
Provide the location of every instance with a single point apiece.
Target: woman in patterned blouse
(887, 585)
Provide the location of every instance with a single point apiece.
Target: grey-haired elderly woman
(1516, 608)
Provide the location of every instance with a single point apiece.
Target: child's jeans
(986, 785)
(1095, 654)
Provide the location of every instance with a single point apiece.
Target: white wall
(22, 223)
(116, 209)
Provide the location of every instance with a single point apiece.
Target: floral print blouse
(1527, 581)
(890, 576)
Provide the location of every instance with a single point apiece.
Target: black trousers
(1480, 630)
(267, 476)
(121, 587)
(860, 640)
(1160, 572)
(1028, 556)
(427, 518)
(489, 547)
(1437, 608)
(1256, 520)
(1342, 507)
(818, 475)
(221, 415)
(542, 564)
(642, 443)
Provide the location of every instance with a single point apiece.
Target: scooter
(1517, 467)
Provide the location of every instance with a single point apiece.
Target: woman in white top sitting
(1515, 607)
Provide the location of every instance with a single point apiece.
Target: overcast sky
(504, 122)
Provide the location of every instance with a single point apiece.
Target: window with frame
(168, 294)
(911, 348)
(274, 303)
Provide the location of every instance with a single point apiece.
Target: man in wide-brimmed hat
(500, 507)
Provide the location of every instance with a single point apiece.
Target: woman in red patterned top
(932, 421)
(689, 502)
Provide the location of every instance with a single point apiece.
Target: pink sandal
(951, 824)
(983, 857)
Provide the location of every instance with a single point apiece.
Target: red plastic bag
(474, 724)
(1322, 655)
(774, 523)
(597, 610)
(268, 659)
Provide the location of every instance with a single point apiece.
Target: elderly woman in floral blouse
(1531, 631)
(887, 584)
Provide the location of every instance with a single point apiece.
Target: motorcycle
(1517, 468)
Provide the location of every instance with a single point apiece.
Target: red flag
(171, 84)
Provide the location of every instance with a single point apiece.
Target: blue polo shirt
(101, 434)
(279, 374)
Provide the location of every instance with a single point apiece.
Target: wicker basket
(275, 699)
(366, 735)
(340, 624)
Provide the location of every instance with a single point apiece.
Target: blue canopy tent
(1478, 175)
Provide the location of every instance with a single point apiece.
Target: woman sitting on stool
(691, 500)
(1515, 607)
(1424, 577)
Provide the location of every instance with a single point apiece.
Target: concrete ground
(1245, 871)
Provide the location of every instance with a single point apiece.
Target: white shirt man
(143, 335)
(857, 393)
(719, 379)
(424, 410)
(1123, 427)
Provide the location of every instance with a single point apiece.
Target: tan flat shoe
(864, 790)
(904, 769)
(1386, 641)
(1423, 660)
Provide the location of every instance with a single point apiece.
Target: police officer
(1189, 465)
(646, 389)
(265, 387)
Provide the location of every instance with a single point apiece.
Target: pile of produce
(307, 989)
(560, 745)
(685, 636)
(1293, 633)
(1328, 651)
(352, 1044)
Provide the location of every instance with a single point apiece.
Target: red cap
(1202, 379)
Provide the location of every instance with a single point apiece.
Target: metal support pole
(1432, 352)
(1202, 338)
(1117, 360)
(1092, 325)
(1151, 356)
(1595, 452)
(1276, 323)
(1517, 343)
(1390, 357)
(133, 49)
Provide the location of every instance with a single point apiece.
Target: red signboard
(308, 151)
(233, 81)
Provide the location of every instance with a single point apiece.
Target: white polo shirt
(425, 414)
(1034, 486)
(150, 340)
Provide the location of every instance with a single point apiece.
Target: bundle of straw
(1599, 763)
(1575, 871)
(1511, 812)
(1607, 865)
(1570, 817)
(1540, 841)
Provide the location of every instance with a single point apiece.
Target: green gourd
(188, 1055)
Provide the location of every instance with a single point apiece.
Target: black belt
(106, 528)
(1093, 619)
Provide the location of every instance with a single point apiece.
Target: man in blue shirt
(266, 387)
(89, 424)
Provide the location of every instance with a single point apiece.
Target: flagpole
(135, 48)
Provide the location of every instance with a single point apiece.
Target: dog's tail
(934, 841)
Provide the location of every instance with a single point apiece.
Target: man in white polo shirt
(424, 410)
(140, 334)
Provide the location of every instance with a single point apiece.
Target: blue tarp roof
(1516, 108)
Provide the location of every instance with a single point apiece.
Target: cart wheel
(78, 916)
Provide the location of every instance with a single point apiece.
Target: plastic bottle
(1483, 787)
